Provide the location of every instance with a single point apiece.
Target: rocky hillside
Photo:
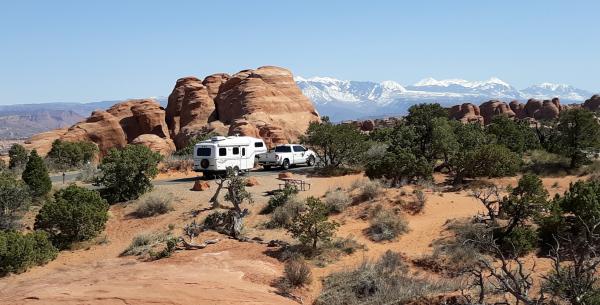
(20, 124)
(264, 102)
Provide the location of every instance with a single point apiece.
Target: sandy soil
(229, 272)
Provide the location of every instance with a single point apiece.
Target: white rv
(219, 153)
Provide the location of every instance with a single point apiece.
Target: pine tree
(36, 175)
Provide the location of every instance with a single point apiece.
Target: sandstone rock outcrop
(265, 102)
(592, 104)
(466, 113)
(164, 146)
(492, 108)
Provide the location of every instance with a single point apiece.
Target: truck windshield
(283, 149)
(203, 152)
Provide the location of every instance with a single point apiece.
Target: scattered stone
(200, 185)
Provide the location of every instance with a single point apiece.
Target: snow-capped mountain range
(343, 99)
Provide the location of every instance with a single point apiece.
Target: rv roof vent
(218, 138)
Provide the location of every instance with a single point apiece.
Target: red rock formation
(265, 102)
(466, 113)
(543, 110)
(492, 108)
(592, 104)
(519, 109)
(164, 146)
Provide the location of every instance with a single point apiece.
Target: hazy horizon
(86, 52)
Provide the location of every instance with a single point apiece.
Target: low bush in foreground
(19, 252)
(370, 189)
(385, 225)
(151, 246)
(519, 242)
(381, 282)
(154, 204)
(279, 199)
(76, 214)
(282, 216)
(297, 273)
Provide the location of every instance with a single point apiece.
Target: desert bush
(336, 145)
(279, 199)
(417, 205)
(66, 155)
(283, 215)
(75, 214)
(17, 157)
(541, 162)
(337, 200)
(576, 136)
(385, 225)
(519, 242)
(20, 251)
(36, 175)
(126, 174)
(14, 199)
(177, 163)
(142, 244)
(458, 253)
(358, 184)
(370, 190)
(89, 173)
(154, 204)
(297, 272)
(312, 226)
(381, 282)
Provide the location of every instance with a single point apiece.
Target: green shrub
(279, 199)
(69, 155)
(151, 246)
(18, 156)
(297, 273)
(14, 199)
(126, 174)
(385, 225)
(154, 204)
(20, 251)
(541, 162)
(76, 214)
(36, 175)
(519, 242)
(283, 215)
(337, 200)
(312, 226)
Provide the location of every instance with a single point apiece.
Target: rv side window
(236, 150)
(283, 149)
(203, 152)
(243, 151)
(259, 144)
(222, 151)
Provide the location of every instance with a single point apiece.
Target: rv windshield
(203, 152)
(283, 149)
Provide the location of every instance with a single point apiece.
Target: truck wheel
(311, 161)
(267, 167)
(286, 164)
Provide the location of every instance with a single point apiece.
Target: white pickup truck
(287, 155)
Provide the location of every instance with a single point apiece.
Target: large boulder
(163, 146)
(492, 108)
(518, 108)
(543, 110)
(592, 104)
(102, 128)
(213, 83)
(140, 116)
(466, 113)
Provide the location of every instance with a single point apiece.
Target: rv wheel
(236, 171)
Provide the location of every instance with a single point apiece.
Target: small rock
(284, 175)
(251, 181)
(200, 185)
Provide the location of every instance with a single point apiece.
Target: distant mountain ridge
(343, 100)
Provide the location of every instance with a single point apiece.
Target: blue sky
(83, 51)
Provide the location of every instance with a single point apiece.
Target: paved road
(72, 176)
